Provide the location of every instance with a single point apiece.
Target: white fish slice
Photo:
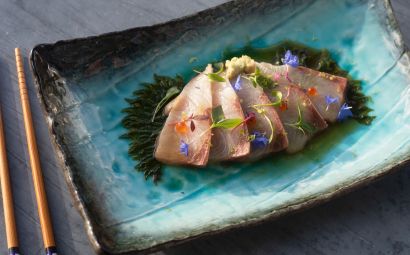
(228, 144)
(195, 100)
(327, 92)
(297, 108)
(263, 123)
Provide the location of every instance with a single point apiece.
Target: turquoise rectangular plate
(82, 85)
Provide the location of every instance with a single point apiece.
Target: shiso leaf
(142, 132)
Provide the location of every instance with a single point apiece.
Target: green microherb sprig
(259, 79)
(301, 125)
(278, 101)
(219, 120)
(171, 93)
(215, 76)
(262, 112)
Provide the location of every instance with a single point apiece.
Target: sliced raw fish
(179, 143)
(299, 117)
(228, 144)
(326, 91)
(262, 120)
(168, 107)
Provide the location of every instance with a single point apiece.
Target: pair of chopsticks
(42, 206)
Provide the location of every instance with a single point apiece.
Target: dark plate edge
(273, 215)
(61, 160)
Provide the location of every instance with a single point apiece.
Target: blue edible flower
(344, 112)
(330, 100)
(290, 59)
(238, 84)
(259, 140)
(183, 148)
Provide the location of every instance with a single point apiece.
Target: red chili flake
(283, 106)
(250, 118)
(312, 91)
(192, 126)
(287, 76)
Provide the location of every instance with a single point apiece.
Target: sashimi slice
(262, 120)
(295, 108)
(326, 91)
(181, 142)
(228, 144)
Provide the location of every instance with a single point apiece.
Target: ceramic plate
(82, 85)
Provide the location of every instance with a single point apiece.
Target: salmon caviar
(312, 91)
(181, 127)
(283, 106)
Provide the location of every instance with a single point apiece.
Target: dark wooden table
(372, 220)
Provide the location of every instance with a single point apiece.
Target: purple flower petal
(238, 84)
(330, 100)
(259, 140)
(183, 148)
(344, 112)
(290, 59)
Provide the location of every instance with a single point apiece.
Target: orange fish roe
(312, 91)
(181, 127)
(283, 106)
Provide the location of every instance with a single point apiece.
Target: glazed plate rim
(308, 202)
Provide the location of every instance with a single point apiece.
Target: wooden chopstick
(9, 220)
(42, 206)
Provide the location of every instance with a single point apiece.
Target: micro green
(262, 112)
(301, 125)
(216, 75)
(171, 93)
(260, 80)
(278, 101)
(219, 120)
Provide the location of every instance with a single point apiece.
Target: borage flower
(183, 148)
(258, 140)
(238, 84)
(290, 59)
(330, 100)
(344, 112)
